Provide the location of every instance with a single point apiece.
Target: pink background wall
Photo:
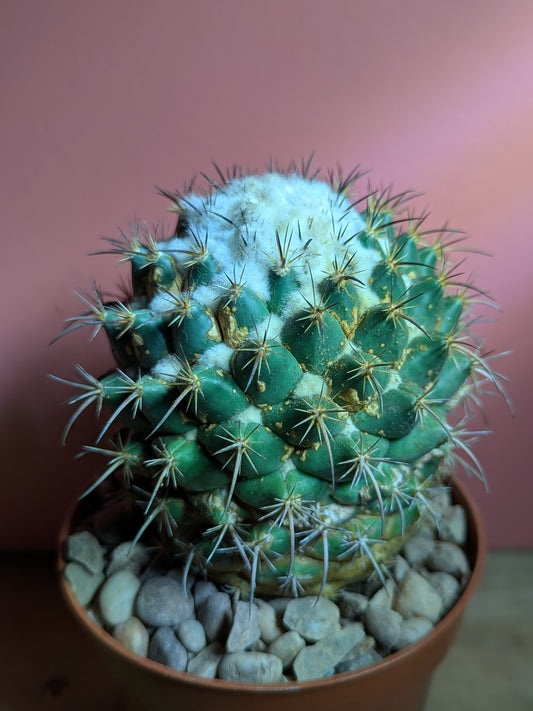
(101, 101)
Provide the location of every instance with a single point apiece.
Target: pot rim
(476, 549)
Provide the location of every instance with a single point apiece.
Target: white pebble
(447, 586)
(84, 584)
(313, 618)
(417, 549)
(84, 548)
(361, 656)
(384, 597)
(318, 660)
(244, 629)
(286, 647)
(258, 667)
(456, 526)
(117, 597)
(401, 568)
(191, 634)
(412, 630)
(133, 635)
(418, 598)
(383, 624)
(127, 556)
(205, 663)
(161, 602)
(448, 558)
(267, 620)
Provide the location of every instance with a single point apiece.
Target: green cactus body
(284, 383)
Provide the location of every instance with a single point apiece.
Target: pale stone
(166, 649)
(418, 598)
(258, 646)
(85, 549)
(205, 663)
(215, 614)
(161, 602)
(244, 629)
(279, 604)
(127, 556)
(202, 590)
(447, 586)
(417, 549)
(133, 635)
(383, 624)
(384, 596)
(191, 634)
(186, 584)
(286, 647)
(83, 583)
(441, 502)
(412, 630)
(313, 618)
(320, 659)
(448, 558)
(117, 597)
(454, 526)
(258, 667)
(361, 655)
(268, 622)
(401, 568)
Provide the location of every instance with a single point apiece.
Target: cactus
(290, 362)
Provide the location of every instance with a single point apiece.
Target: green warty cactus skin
(288, 362)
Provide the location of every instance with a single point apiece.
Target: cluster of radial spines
(238, 460)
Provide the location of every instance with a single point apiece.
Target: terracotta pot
(398, 682)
